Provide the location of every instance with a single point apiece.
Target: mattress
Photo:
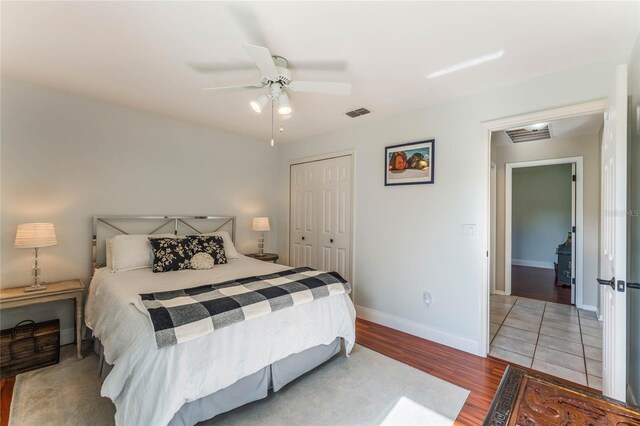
(148, 386)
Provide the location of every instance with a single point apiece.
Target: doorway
(561, 339)
(544, 230)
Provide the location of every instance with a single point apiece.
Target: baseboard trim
(418, 329)
(499, 292)
(532, 263)
(592, 309)
(67, 336)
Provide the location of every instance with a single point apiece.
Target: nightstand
(266, 257)
(72, 289)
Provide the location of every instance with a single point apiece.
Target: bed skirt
(248, 389)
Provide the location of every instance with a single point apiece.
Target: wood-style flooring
(481, 376)
(6, 392)
(539, 284)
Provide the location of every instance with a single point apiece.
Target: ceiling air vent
(535, 132)
(358, 112)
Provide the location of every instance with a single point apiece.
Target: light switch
(469, 230)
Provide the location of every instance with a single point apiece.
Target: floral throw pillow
(170, 254)
(210, 244)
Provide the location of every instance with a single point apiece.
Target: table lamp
(260, 224)
(35, 236)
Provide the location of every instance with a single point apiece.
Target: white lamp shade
(284, 105)
(32, 235)
(260, 224)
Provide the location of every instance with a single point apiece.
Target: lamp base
(35, 287)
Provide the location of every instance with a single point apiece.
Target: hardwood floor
(6, 392)
(539, 284)
(481, 376)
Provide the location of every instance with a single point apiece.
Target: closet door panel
(326, 217)
(303, 232)
(342, 217)
(321, 215)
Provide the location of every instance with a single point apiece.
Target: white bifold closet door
(321, 215)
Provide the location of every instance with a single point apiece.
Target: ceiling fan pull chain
(272, 106)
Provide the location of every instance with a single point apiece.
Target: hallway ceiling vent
(531, 133)
(357, 112)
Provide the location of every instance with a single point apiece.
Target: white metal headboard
(105, 227)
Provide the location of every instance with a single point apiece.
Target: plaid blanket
(182, 315)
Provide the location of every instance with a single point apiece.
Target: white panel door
(326, 215)
(613, 268)
(342, 217)
(303, 222)
(334, 216)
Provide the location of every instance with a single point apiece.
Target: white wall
(408, 239)
(587, 147)
(541, 213)
(66, 158)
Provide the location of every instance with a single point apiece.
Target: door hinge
(573, 280)
(573, 178)
(573, 229)
(487, 253)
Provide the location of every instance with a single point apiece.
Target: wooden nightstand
(266, 257)
(72, 289)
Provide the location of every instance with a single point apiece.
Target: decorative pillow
(128, 252)
(201, 260)
(170, 254)
(211, 245)
(229, 248)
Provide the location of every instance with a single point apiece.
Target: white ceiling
(586, 125)
(137, 53)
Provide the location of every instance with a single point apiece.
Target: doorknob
(610, 282)
(331, 240)
(303, 238)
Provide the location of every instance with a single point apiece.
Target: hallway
(549, 337)
(539, 284)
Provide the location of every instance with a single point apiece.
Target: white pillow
(229, 249)
(129, 252)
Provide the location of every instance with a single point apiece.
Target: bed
(198, 379)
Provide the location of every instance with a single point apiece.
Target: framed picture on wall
(409, 163)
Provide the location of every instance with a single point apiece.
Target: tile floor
(549, 337)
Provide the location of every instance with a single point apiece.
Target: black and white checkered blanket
(182, 315)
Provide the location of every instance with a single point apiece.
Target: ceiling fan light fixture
(258, 104)
(284, 105)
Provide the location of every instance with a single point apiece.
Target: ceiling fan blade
(319, 65)
(211, 67)
(329, 88)
(262, 57)
(229, 88)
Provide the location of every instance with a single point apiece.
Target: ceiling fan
(278, 79)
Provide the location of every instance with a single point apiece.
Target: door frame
(487, 127)
(579, 214)
(346, 153)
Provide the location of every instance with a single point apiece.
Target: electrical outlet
(426, 298)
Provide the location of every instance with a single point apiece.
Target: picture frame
(409, 163)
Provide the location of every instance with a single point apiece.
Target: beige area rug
(365, 389)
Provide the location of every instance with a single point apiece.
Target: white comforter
(148, 386)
